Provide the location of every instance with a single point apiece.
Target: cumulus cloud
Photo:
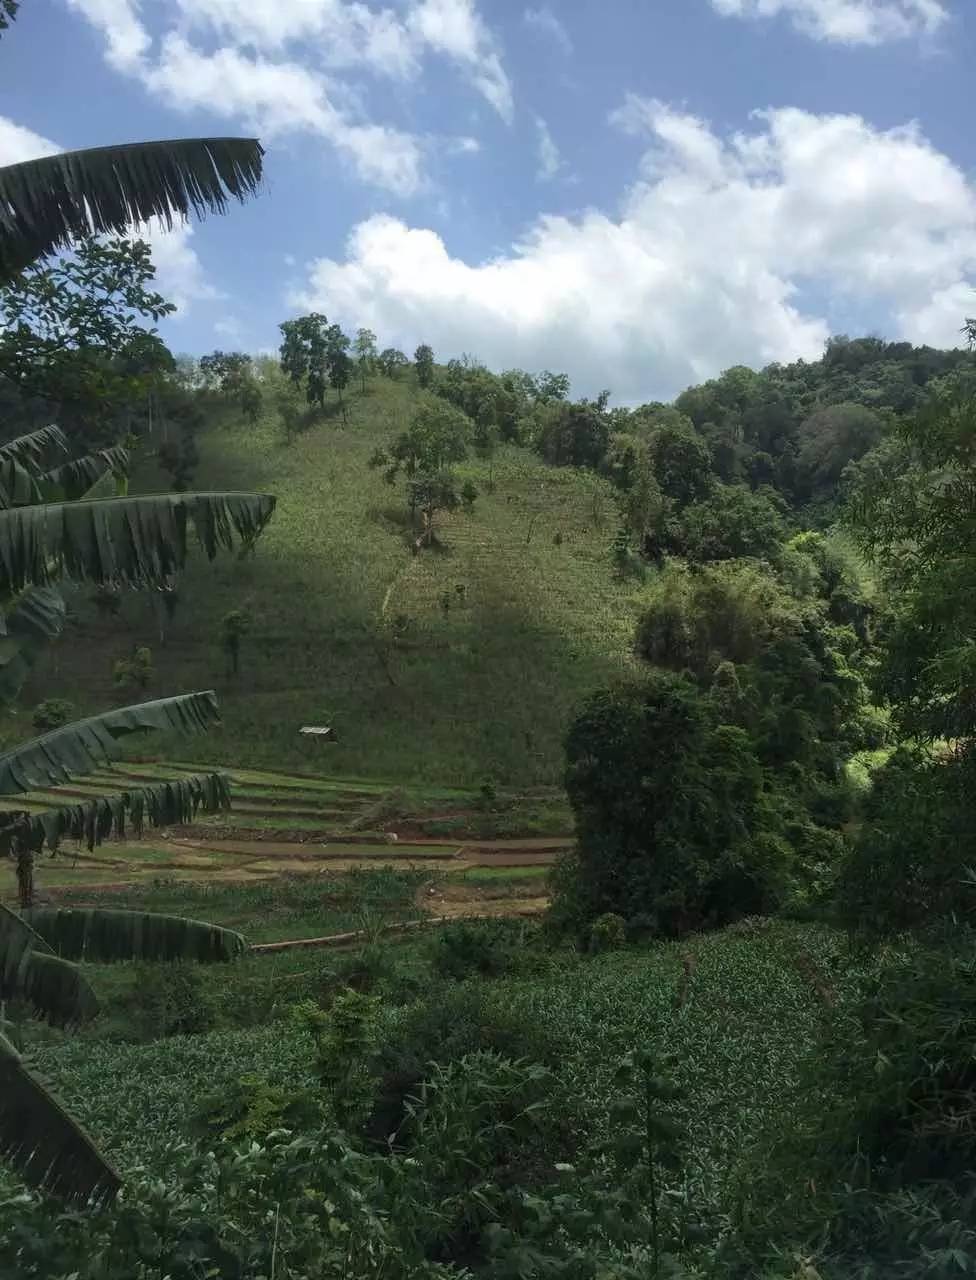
(548, 26)
(18, 144)
(454, 27)
(550, 161)
(847, 21)
(710, 261)
(275, 62)
(180, 277)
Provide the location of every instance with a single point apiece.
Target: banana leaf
(106, 935)
(136, 540)
(163, 804)
(72, 480)
(55, 989)
(36, 449)
(48, 1148)
(36, 617)
(47, 203)
(79, 747)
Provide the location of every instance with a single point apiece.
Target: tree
(572, 435)
(73, 336)
(485, 438)
(391, 361)
(682, 464)
(338, 363)
(225, 370)
(234, 626)
(304, 354)
(670, 819)
(252, 399)
(438, 437)
(366, 353)
(829, 439)
(423, 359)
(914, 515)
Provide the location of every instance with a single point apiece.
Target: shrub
(608, 932)
(915, 846)
(452, 1021)
(486, 948)
(671, 812)
(52, 713)
(166, 1000)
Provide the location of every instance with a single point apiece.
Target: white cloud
(463, 146)
(127, 41)
(18, 144)
(847, 21)
(550, 161)
(453, 27)
(228, 327)
(705, 266)
(545, 22)
(273, 68)
(180, 277)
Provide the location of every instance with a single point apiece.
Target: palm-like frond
(41, 1140)
(35, 618)
(30, 971)
(97, 935)
(36, 449)
(47, 203)
(83, 745)
(72, 480)
(136, 540)
(22, 461)
(161, 804)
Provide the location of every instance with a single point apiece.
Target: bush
(453, 1020)
(915, 848)
(671, 812)
(608, 932)
(486, 948)
(166, 1000)
(52, 713)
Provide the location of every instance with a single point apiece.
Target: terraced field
(301, 825)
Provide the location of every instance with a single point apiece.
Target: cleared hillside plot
(457, 665)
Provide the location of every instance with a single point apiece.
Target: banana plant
(48, 202)
(39, 946)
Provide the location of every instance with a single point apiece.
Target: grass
(485, 690)
(750, 1017)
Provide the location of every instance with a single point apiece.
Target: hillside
(484, 690)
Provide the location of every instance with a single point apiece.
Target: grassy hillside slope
(485, 689)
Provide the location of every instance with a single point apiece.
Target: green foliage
(234, 626)
(59, 199)
(250, 1109)
(670, 809)
(908, 865)
(135, 673)
(571, 435)
(608, 932)
(73, 334)
(914, 519)
(391, 361)
(423, 360)
(97, 934)
(166, 1000)
(366, 353)
(487, 948)
(52, 713)
(344, 1037)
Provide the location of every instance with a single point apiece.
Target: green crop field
(483, 690)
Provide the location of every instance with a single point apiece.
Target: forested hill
(455, 644)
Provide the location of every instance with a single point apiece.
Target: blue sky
(639, 192)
